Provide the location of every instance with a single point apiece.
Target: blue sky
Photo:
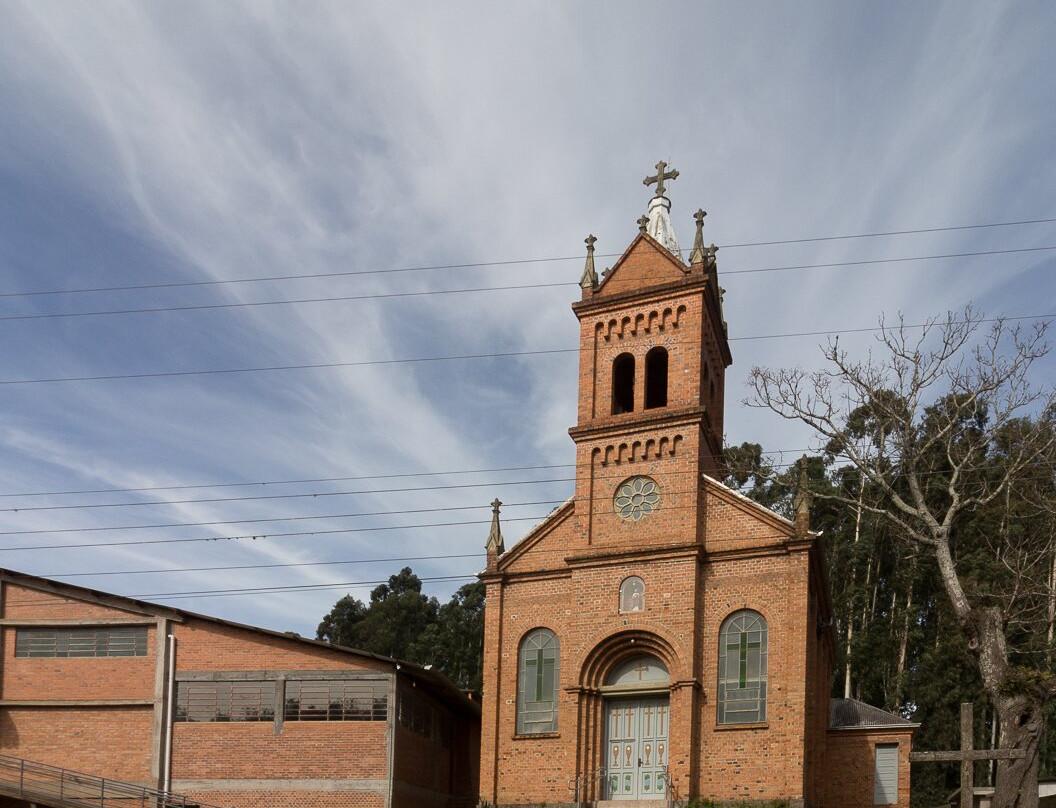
(155, 143)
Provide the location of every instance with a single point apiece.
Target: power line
(293, 587)
(515, 287)
(264, 536)
(309, 495)
(287, 482)
(461, 357)
(159, 570)
(214, 523)
(480, 264)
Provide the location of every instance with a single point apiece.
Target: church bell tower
(653, 357)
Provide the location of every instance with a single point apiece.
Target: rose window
(636, 498)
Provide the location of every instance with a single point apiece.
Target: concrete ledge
(376, 785)
(76, 702)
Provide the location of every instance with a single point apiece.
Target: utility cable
(170, 570)
(480, 264)
(514, 287)
(503, 355)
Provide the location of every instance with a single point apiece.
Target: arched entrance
(636, 725)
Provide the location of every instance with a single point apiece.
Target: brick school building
(228, 714)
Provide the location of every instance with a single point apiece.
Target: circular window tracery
(636, 498)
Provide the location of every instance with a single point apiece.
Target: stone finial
(643, 222)
(802, 500)
(589, 280)
(709, 257)
(660, 176)
(494, 545)
(698, 253)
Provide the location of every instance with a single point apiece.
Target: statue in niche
(632, 595)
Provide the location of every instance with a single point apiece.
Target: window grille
(344, 700)
(742, 669)
(225, 701)
(537, 682)
(81, 642)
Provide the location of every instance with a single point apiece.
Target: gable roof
(431, 679)
(653, 256)
(854, 714)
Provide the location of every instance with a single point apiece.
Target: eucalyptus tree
(944, 424)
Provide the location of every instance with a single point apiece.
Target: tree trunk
(900, 671)
(850, 609)
(1020, 715)
(1021, 723)
(1052, 602)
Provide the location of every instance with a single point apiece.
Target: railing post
(21, 776)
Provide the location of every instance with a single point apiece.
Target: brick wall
(110, 742)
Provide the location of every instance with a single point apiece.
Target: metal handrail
(32, 780)
(576, 784)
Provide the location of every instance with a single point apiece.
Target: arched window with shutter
(537, 682)
(742, 668)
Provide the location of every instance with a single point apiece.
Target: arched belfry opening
(656, 378)
(623, 384)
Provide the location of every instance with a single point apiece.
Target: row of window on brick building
(741, 675)
(363, 699)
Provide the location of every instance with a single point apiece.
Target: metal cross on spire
(660, 176)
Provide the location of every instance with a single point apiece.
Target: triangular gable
(546, 535)
(736, 522)
(643, 264)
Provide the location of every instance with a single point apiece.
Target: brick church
(659, 636)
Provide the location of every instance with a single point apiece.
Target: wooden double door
(636, 748)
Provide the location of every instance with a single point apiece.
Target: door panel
(636, 752)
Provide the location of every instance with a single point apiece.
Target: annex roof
(854, 714)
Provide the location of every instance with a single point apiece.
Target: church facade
(660, 637)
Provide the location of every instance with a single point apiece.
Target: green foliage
(403, 623)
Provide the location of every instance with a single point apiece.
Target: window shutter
(885, 777)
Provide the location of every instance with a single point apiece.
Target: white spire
(659, 226)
